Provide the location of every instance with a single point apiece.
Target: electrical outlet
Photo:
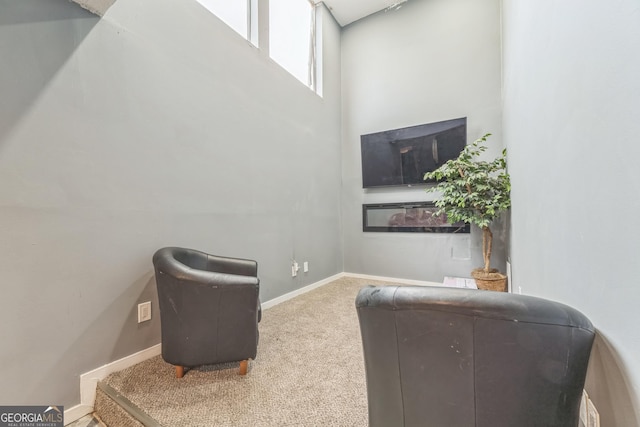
(144, 311)
(294, 268)
(305, 266)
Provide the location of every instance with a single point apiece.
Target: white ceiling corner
(348, 11)
(345, 11)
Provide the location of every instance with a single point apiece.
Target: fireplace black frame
(408, 217)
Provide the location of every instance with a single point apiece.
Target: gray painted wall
(430, 60)
(571, 108)
(157, 125)
(122, 135)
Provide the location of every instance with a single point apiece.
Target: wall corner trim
(76, 412)
(89, 381)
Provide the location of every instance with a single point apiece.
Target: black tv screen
(403, 156)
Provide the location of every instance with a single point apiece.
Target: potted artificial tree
(475, 192)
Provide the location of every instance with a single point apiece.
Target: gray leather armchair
(444, 357)
(209, 308)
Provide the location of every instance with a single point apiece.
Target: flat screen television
(401, 157)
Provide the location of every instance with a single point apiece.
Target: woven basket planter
(492, 281)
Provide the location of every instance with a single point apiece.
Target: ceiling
(345, 11)
(348, 11)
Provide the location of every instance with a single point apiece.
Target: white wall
(571, 109)
(157, 125)
(430, 60)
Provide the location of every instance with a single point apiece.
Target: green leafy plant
(473, 191)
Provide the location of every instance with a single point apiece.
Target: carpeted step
(115, 410)
(309, 372)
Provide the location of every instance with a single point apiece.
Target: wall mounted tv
(402, 156)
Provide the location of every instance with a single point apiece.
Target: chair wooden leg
(244, 364)
(179, 371)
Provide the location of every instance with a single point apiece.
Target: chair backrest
(174, 260)
(447, 357)
(206, 316)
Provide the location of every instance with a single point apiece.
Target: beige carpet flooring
(309, 372)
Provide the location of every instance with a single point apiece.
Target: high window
(234, 13)
(292, 41)
(292, 32)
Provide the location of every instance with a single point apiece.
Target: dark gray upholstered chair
(445, 357)
(209, 308)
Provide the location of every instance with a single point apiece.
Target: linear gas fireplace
(418, 217)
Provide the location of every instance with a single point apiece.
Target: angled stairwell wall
(155, 125)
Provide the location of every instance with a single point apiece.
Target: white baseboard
(392, 279)
(89, 381)
(293, 294)
(76, 412)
